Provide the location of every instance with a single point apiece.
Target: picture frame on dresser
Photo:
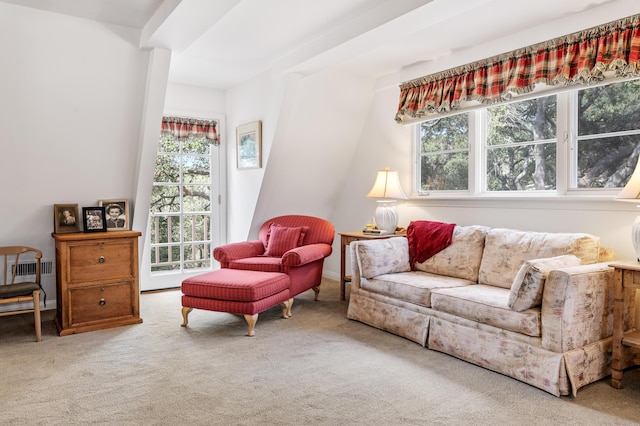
(116, 214)
(65, 218)
(93, 219)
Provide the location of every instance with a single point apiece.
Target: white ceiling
(221, 43)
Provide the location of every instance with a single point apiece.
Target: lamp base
(386, 216)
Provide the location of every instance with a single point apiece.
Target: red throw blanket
(427, 238)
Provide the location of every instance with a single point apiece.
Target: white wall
(310, 129)
(70, 103)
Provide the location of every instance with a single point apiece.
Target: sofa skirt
(394, 319)
(529, 364)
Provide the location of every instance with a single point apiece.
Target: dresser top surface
(86, 236)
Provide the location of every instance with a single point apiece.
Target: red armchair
(295, 245)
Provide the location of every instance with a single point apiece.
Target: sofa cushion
(526, 290)
(462, 258)
(487, 305)
(377, 257)
(506, 250)
(413, 286)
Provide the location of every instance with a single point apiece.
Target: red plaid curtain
(578, 58)
(182, 128)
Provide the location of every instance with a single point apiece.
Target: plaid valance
(182, 128)
(579, 58)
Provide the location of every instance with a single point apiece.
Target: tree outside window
(518, 143)
(180, 210)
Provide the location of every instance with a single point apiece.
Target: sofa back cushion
(461, 259)
(506, 250)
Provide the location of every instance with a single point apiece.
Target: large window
(180, 215)
(517, 144)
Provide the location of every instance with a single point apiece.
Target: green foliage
(445, 148)
(513, 162)
(612, 111)
(521, 138)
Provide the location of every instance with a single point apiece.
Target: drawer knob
(101, 259)
(103, 302)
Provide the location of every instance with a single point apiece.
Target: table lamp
(631, 193)
(387, 189)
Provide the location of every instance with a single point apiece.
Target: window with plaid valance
(609, 50)
(182, 128)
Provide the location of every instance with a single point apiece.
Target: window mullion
(477, 157)
(566, 122)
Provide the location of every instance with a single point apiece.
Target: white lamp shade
(387, 186)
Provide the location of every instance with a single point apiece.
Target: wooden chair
(19, 292)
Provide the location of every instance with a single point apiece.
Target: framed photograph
(249, 145)
(65, 218)
(116, 214)
(93, 219)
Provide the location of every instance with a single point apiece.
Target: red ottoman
(237, 292)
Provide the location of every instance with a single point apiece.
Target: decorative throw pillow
(377, 257)
(281, 239)
(527, 287)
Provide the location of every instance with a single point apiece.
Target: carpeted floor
(316, 368)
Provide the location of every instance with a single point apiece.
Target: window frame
(181, 215)
(566, 153)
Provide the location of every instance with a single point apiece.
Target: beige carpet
(316, 368)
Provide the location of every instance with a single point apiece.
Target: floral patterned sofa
(533, 306)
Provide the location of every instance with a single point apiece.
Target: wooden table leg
(617, 354)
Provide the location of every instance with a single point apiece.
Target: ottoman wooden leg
(185, 314)
(251, 320)
(286, 308)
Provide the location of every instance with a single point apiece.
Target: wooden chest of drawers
(96, 281)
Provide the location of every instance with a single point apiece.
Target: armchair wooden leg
(185, 314)
(286, 308)
(36, 315)
(251, 320)
(316, 290)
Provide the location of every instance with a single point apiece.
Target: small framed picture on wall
(93, 219)
(116, 214)
(249, 145)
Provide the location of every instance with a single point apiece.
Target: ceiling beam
(177, 24)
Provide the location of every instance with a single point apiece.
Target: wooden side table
(347, 238)
(626, 275)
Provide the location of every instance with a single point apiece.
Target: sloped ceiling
(222, 43)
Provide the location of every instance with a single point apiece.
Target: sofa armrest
(240, 250)
(306, 254)
(577, 307)
(355, 269)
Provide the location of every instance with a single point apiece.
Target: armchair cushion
(281, 239)
(258, 263)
